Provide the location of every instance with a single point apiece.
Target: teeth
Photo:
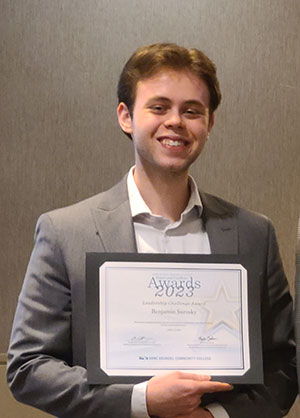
(171, 142)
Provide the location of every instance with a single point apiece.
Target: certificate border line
(186, 269)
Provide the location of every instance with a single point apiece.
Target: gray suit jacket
(46, 358)
(297, 301)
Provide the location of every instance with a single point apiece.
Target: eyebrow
(158, 98)
(167, 100)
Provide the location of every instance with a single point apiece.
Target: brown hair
(148, 60)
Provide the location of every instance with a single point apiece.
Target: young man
(167, 98)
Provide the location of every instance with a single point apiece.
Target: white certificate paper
(158, 317)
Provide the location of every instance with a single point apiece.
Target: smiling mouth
(172, 142)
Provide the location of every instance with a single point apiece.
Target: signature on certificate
(207, 339)
(140, 340)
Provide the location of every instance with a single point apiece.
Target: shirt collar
(138, 205)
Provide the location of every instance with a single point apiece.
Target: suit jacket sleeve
(276, 396)
(40, 365)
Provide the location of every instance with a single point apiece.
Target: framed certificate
(152, 313)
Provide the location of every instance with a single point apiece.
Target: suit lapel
(113, 220)
(221, 224)
(114, 225)
(222, 235)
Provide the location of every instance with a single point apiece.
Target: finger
(194, 376)
(210, 387)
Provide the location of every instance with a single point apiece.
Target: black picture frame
(93, 262)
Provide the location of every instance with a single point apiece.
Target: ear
(124, 118)
(211, 122)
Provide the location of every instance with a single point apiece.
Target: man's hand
(177, 393)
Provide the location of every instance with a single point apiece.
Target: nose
(174, 120)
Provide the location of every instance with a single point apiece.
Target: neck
(166, 195)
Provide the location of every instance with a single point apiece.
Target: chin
(176, 169)
(179, 167)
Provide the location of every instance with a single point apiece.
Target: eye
(191, 111)
(194, 112)
(157, 108)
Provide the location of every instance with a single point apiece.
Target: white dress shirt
(156, 234)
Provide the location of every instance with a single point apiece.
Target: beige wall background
(59, 139)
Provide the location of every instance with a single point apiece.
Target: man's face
(170, 121)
